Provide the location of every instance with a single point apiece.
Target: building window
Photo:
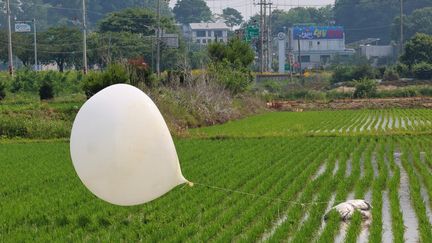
(209, 33)
(305, 58)
(324, 59)
(218, 33)
(198, 41)
(201, 33)
(209, 40)
(310, 44)
(204, 41)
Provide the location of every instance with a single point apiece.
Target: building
(377, 53)
(317, 44)
(205, 33)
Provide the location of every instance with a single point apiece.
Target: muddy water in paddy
(323, 222)
(336, 168)
(365, 225)
(344, 224)
(424, 193)
(390, 123)
(411, 233)
(320, 171)
(378, 123)
(387, 236)
(384, 123)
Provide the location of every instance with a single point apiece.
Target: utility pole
(10, 55)
(401, 27)
(35, 45)
(265, 33)
(158, 39)
(84, 38)
(270, 38)
(261, 37)
(299, 55)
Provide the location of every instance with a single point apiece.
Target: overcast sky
(247, 7)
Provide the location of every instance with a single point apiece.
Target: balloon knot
(190, 183)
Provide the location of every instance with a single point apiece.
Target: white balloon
(121, 147)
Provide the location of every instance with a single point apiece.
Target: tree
(133, 20)
(232, 17)
(106, 47)
(365, 19)
(236, 52)
(418, 49)
(192, 11)
(420, 21)
(319, 16)
(62, 45)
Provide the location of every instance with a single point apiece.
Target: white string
(257, 195)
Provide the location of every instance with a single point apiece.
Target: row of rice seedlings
(343, 188)
(296, 211)
(261, 217)
(245, 214)
(310, 228)
(185, 201)
(357, 119)
(424, 177)
(214, 215)
(378, 186)
(415, 192)
(420, 164)
(205, 226)
(398, 227)
(171, 213)
(359, 191)
(348, 126)
(325, 191)
(266, 225)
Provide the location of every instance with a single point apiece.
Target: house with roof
(205, 33)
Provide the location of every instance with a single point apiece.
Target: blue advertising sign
(318, 32)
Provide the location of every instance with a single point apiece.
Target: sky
(248, 9)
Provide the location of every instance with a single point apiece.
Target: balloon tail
(191, 184)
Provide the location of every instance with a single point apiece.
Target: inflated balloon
(121, 147)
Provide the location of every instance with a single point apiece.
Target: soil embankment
(349, 104)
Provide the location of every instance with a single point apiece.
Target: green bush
(236, 79)
(365, 88)
(402, 70)
(46, 90)
(25, 81)
(349, 73)
(342, 74)
(422, 70)
(390, 74)
(95, 82)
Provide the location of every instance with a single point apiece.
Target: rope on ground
(257, 195)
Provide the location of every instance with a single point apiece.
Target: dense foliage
(96, 81)
(365, 88)
(423, 70)
(192, 11)
(418, 49)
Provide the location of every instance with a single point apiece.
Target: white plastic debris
(347, 209)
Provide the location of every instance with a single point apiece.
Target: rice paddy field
(267, 178)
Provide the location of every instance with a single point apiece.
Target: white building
(318, 44)
(204, 33)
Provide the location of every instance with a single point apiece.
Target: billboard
(22, 27)
(318, 32)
